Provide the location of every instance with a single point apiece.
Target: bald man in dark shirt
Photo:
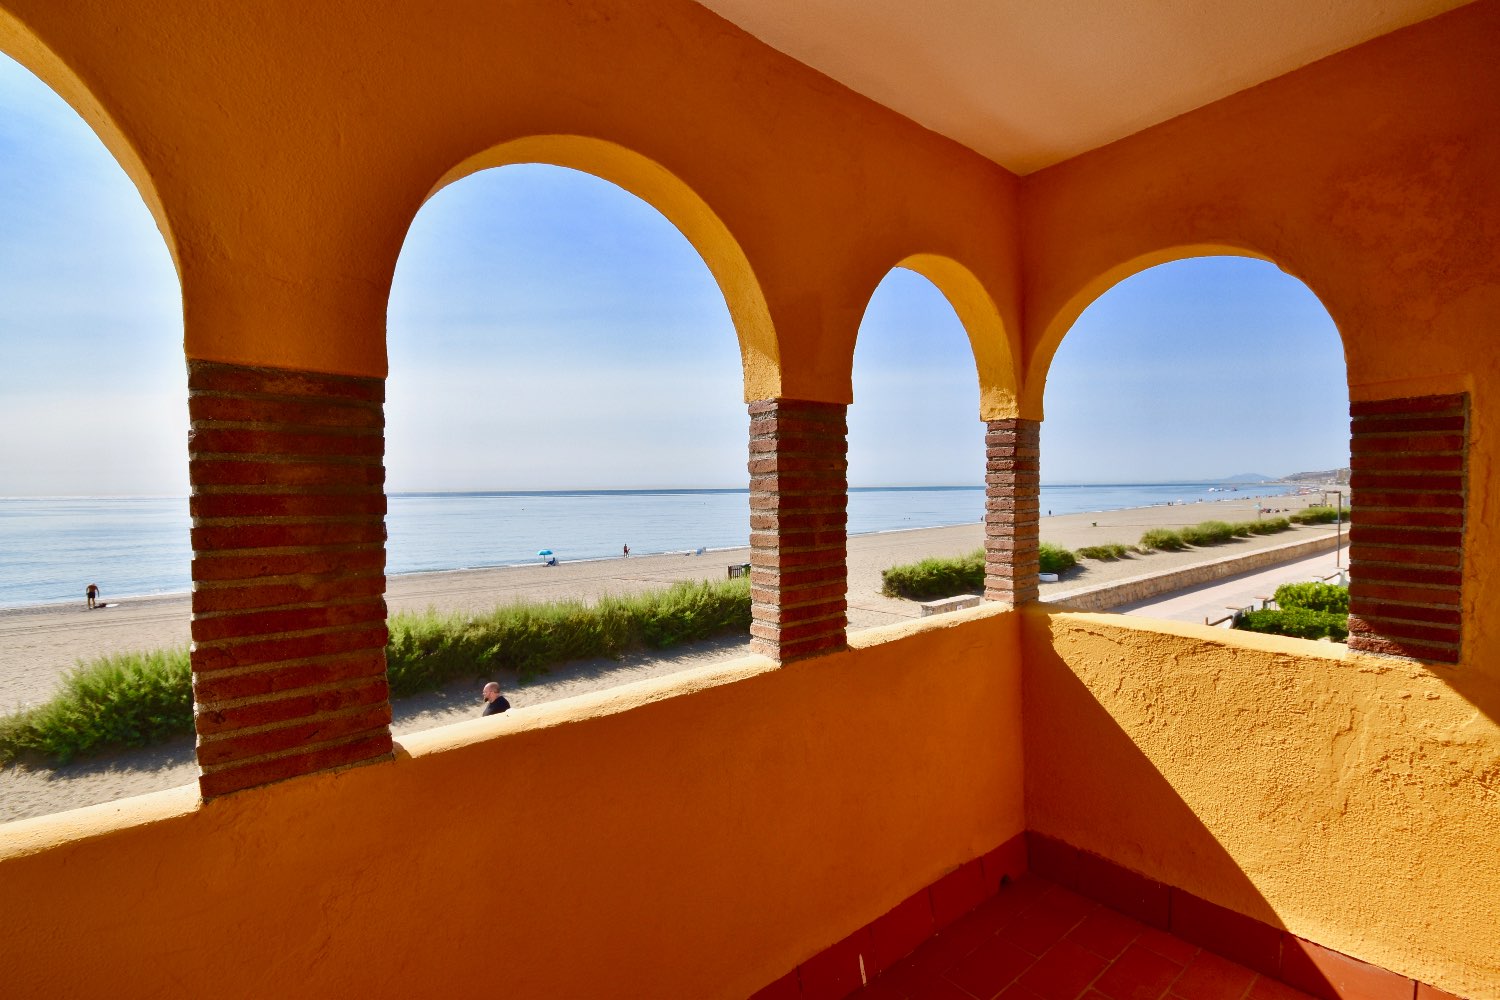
(495, 702)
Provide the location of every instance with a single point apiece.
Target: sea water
(53, 547)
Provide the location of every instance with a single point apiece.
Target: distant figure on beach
(627, 551)
(93, 595)
(494, 701)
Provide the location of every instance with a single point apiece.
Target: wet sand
(38, 644)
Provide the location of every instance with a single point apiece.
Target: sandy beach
(38, 644)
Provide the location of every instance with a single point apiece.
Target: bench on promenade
(947, 604)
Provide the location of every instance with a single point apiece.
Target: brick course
(288, 573)
(798, 517)
(1012, 510)
(1409, 493)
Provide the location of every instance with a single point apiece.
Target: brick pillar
(1011, 508)
(799, 494)
(288, 573)
(1406, 540)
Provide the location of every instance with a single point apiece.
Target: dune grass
(1210, 533)
(1104, 553)
(930, 579)
(137, 699)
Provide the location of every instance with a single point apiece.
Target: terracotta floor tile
(991, 968)
(1064, 902)
(1266, 988)
(1209, 977)
(1038, 930)
(939, 989)
(1106, 933)
(1064, 972)
(1015, 991)
(1138, 974)
(879, 989)
(1168, 945)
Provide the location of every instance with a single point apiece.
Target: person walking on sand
(494, 701)
(627, 551)
(92, 593)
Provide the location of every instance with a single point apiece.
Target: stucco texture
(1354, 801)
(694, 837)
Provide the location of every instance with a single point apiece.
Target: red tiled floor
(1106, 933)
(1209, 977)
(1138, 974)
(1039, 941)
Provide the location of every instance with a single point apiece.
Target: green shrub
(1163, 539)
(1317, 515)
(125, 700)
(1242, 529)
(1270, 526)
(1103, 552)
(1299, 622)
(1314, 597)
(1207, 533)
(934, 578)
(428, 650)
(1055, 558)
(135, 699)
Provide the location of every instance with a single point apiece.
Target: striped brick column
(288, 573)
(798, 500)
(1012, 503)
(1406, 540)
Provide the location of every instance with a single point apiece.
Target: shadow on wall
(1270, 779)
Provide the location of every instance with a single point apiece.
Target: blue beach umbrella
(544, 552)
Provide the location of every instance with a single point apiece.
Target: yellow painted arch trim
(1062, 321)
(657, 186)
(994, 351)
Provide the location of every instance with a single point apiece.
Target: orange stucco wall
(691, 837)
(706, 841)
(1352, 800)
(290, 146)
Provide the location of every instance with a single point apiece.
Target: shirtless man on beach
(92, 593)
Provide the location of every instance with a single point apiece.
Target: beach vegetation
(1054, 558)
(1207, 533)
(1163, 540)
(137, 699)
(1106, 553)
(1314, 596)
(931, 579)
(1317, 515)
(122, 700)
(427, 649)
(1301, 623)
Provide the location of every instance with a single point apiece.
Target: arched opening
(564, 383)
(916, 443)
(1196, 411)
(93, 406)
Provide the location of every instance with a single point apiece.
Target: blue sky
(548, 330)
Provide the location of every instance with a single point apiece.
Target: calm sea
(52, 547)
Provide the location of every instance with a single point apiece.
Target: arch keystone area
(654, 184)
